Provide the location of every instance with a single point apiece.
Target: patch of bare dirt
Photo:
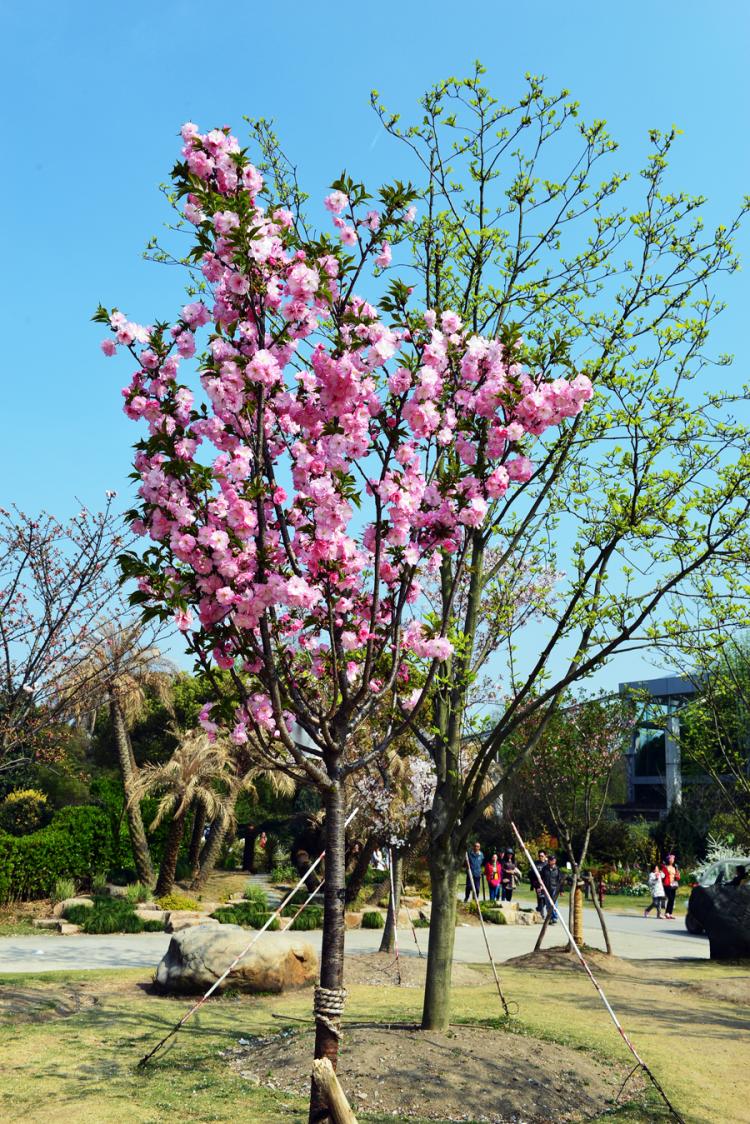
(559, 958)
(470, 1073)
(19, 1005)
(377, 969)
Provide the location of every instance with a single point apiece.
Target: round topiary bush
(373, 920)
(23, 811)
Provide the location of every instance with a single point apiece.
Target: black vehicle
(721, 873)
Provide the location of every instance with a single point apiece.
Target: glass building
(653, 759)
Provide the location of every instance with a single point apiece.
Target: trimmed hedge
(310, 918)
(76, 844)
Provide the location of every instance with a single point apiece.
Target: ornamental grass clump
(373, 920)
(246, 914)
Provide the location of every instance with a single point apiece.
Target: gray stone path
(631, 936)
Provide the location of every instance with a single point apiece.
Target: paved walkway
(631, 936)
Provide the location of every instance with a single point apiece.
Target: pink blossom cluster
(321, 459)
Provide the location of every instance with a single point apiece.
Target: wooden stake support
(327, 1082)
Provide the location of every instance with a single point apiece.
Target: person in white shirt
(658, 896)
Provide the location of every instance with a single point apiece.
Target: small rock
(353, 920)
(46, 923)
(67, 928)
(178, 919)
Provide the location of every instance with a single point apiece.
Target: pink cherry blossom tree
(297, 481)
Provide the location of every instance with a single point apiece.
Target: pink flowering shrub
(317, 459)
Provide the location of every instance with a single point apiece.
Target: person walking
(511, 875)
(493, 872)
(474, 873)
(671, 875)
(553, 878)
(536, 885)
(656, 886)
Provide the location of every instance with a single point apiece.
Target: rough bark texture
(141, 854)
(196, 838)
(165, 881)
(332, 951)
(436, 1009)
(356, 879)
(388, 942)
(212, 847)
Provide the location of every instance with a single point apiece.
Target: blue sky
(93, 96)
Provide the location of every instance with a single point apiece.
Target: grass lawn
(677, 1013)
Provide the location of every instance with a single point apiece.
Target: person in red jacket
(671, 877)
(493, 873)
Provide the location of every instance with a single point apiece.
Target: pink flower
(348, 235)
(108, 346)
(520, 469)
(183, 618)
(385, 256)
(336, 202)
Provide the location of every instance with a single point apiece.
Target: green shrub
(494, 916)
(77, 844)
(137, 892)
(111, 921)
(76, 913)
(23, 811)
(64, 888)
(245, 914)
(256, 896)
(177, 901)
(99, 884)
(310, 918)
(284, 872)
(153, 926)
(421, 923)
(108, 915)
(373, 920)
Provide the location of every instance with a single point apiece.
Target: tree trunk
(356, 879)
(575, 910)
(443, 870)
(332, 951)
(212, 847)
(165, 881)
(196, 838)
(139, 843)
(602, 922)
(388, 943)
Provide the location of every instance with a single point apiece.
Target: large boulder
(724, 913)
(196, 958)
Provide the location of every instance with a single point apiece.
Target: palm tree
(118, 671)
(243, 779)
(188, 779)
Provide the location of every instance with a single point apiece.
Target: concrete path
(631, 936)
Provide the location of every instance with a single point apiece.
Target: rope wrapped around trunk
(327, 1005)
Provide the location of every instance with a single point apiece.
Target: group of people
(663, 882)
(500, 870)
(503, 874)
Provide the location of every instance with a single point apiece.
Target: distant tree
(570, 771)
(118, 666)
(56, 583)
